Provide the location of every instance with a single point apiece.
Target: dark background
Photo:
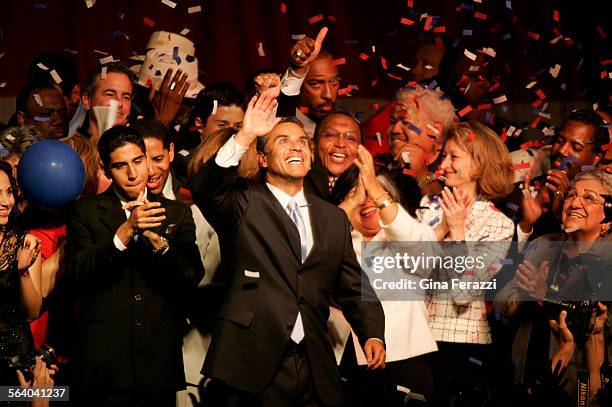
(227, 33)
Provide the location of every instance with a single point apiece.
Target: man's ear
(171, 152)
(75, 94)
(261, 160)
(105, 170)
(21, 119)
(597, 158)
(86, 101)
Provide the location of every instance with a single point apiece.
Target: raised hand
(305, 51)
(28, 253)
(255, 123)
(268, 84)
(168, 100)
(531, 208)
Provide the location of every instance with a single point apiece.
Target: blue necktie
(295, 216)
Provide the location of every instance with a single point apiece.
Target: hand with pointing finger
(305, 51)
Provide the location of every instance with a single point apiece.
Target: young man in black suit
(285, 255)
(133, 259)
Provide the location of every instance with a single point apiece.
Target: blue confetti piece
(40, 5)
(506, 36)
(504, 108)
(585, 168)
(530, 152)
(512, 206)
(606, 126)
(508, 262)
(434, 221)
(497, 314)
(120, 15)
(475, 361)
(541, 71)
(114, 34)
(432, 85)
(351, 42)
(414, 128)
(175, 55)
(467, 32)
(190, 58)
(566, 160)
(488, 117)
(3, 151)
(467, 6)
(41, 119)
(509, 4)
(409, 87)
(455, 43)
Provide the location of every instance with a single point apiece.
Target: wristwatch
(162, 249)
(428, 180)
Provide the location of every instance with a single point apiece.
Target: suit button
(301, 300)
(138, 297)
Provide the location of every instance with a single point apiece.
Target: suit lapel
(111, 213)
(318, 224)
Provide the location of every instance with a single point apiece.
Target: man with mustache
(577, 144)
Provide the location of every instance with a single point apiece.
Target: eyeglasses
(587, 198)
(348, 135)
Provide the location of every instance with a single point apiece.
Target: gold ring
(297, 53)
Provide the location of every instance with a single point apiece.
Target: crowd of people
(215, 255)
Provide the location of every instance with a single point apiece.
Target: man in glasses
(576, 147)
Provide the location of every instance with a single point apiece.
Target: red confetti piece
(520, 166)
(315, 19)
(603, 75)
(283, 8)
(331, 18)
(148, 22)
(303, 109)
(484, 106)
(428, 22)
(601, 32)
(540, 94)
(441, 29)
(537, 103)
(339, 61)
(556, 15)
(527, 144)
(465, 111)
(533, 36)
(439, 172)
(408, 171)
(534, 124)
(606, 62)
(374, 82)
(374, 106)
(410, 4)
(344, 91)
(480, 16)
(185, 192)
(606, 147)
(406, 21)
(383, 62)
(504, 135)
(494, 86)
(363, 56)
(471, 136)
(390, 75)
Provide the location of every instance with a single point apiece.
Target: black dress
(15, 335)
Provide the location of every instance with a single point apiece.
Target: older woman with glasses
(565, 268)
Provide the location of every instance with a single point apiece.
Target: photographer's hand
(565, 339)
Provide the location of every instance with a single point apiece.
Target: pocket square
(251, 274)
(170, 229)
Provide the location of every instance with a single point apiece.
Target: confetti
(405, 68)
(106, 60)
(531, 84)
(440, 29)
(40, 5)
(103, 72)
(469, 54)
(297, 37)
(169, 3)
(480, 16)
(379, 138)
(489, 51)
(467, 32)
(406, 157)
(390, 75)
(500, 99)
(315, 19)
(474, 68)
(90, 3)
(42, 66)
(512, 206)
(55, 76)
(410, 4)
(428, 21)
(339, 61)
(184, 153)
(540, 94)
(2, 84)
(433, 129)
(383, 62)
(364, 56)
(185, 31)
(585, 168)
(214, 109)
(260, 49)
(406, 21)
(533, 36)
(471, 136)
(283, 8)
(534, 124)
(465, 111)
(194, 9)
(554, 71)
(38, 100)
(345, 91)
(484, 106)
(148, 22)
(520, 166)
(475, 361)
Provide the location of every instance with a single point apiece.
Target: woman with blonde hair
(475, 170)
(248, 167)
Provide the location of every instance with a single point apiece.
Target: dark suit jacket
(268, 284)
(131, 303)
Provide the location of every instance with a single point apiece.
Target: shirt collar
(123, 200)
(168, 192)
(283, 198)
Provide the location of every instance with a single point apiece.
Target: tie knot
(292, 205)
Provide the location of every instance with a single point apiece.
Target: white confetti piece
(260, 49)
(106, 60)
(500, 99)
(433, 129)
(379, 138)
(71, 51)
(548, 131)
(556, 39)
(374, 49)
(489, 51)
(554, 71)
(10, 137)
(511, 131)
(90, 3)
(595, 106)
(405, 68)
(100, 52)
(474, 68)
(103, 72)
(194, 9)
(42, 66)
(470, 55)
(184, 153)
(2, 84)
(297, 37)
(55, 76)
(185, 31)
(1, 55)
(37, 98)
(531, 84)
(429, 67)
(406, 157)
(214, 109)
(169, 3)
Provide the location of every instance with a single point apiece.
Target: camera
(579, 315)
(26, 362)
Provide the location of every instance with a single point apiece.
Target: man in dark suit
(133, 258)
(285, 255)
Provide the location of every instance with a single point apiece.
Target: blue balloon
(51, 175)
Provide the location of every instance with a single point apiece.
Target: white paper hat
(168, 40)
(158, 61)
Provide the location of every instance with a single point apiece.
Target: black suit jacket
(268, 284)
(131, 303)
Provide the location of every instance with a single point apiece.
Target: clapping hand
(455, 207)
(531, 280)
(28, 253)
